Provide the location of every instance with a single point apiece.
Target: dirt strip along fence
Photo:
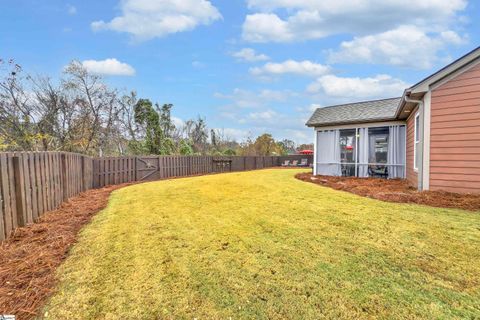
(32, 183)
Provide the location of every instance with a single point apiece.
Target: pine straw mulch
(30, 256)
(395, 190)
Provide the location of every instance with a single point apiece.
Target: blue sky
(248, 66)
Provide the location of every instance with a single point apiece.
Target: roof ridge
(359, 102)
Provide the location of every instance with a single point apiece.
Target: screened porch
(362, 152)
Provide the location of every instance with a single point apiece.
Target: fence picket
(5, 195)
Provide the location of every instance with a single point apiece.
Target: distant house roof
(366, 111)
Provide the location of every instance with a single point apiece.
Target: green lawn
(263, 245)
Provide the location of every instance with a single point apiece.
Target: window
(416, 154)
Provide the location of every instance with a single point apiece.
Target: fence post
(64, 176)
(135, 167)
(19, 195)
(82, 170)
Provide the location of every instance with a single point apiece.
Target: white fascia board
(362, 125)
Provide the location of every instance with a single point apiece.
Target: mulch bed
(30, 256)
(395, 190)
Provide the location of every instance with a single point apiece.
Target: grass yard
(264, 245)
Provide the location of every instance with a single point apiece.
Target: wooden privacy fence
(115, 170)
(32, 183)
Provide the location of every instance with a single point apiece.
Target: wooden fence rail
(32, 183)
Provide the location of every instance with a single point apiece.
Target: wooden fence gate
(147, 168)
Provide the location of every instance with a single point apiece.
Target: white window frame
(415, 141)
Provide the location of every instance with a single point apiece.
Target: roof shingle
(367, 111)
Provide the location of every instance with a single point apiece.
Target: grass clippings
(30, 256)
(395, 190)
(264, 245)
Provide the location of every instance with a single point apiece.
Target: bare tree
(97, 106)
(16, 113)
(198, 134)
(56, 114)
(81, 113)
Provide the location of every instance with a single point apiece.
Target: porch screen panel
(363, 152)
(396, 152)
(328, 153)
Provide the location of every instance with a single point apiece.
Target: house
(430, 135)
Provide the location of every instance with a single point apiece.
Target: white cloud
(177, 122)
(312, 19)
(406, 46)
(241, 98)
(452, 37)
(148, 19)
(267, 115)
(232, 133)
(281, 125)
(380, 86)
(275, 95)
(265, 111)
(71, 10)
(304, 68)
(249, 55)
(299, 136)
(266, 27)
(111, 67)
(309, 109)
(314, 106)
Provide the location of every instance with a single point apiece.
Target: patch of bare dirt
(395, 190)
(30, 256)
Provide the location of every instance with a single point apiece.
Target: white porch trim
(362, 125)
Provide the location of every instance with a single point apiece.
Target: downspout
(420, 149)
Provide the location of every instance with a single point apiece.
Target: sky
(247, 66)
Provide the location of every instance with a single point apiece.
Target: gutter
(407, 99)
(331, 124)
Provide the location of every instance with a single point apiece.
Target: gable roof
(366, 111)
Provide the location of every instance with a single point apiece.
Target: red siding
(412, 175)
(455, 134)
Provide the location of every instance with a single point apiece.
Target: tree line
(81, 113)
